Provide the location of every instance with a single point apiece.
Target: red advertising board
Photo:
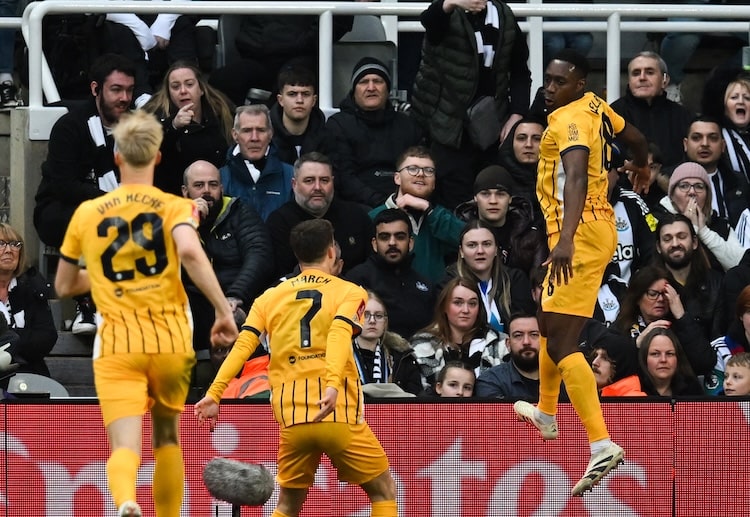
(449, 459)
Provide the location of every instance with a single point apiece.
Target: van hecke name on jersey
(309, 279)
(145, 199)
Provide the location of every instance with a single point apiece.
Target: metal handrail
(41, 119)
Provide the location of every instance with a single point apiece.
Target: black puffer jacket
(313, 139)
(32, 322)
(239, 247)
(364, 146)
(448, 79)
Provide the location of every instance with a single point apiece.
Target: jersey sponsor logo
(294, 358)
(623, 253)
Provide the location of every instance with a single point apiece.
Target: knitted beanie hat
(370, 65)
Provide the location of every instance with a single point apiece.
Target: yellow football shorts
(353, 450)
(594, 245)
(132, 384)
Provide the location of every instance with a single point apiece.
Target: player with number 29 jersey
(130, 229)
(307, 319)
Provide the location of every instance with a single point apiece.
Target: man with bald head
(236, 241)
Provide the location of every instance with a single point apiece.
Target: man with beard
(80, 161)
(704, 144)
(518, 377)
(679, 251)
(313, 198)
(436, 229)
(408, 296)
(237, 242)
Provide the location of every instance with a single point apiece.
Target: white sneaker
(674, 93)
(527, 412)
(84, 323)
(129, 509)
(599, 466)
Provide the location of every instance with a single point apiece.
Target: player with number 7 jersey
(316, 393)
(298, 316)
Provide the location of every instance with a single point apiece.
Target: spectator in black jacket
(680, 253)
(366, 138)
(519, 155)
(651, 302)
(298, 124)
(646, 106)
(382, 356)
(409, 297)
(197, 122)
(80, 162)
(474, 52)
(25, 311)
(313, 197)
(521, 242)
(239, 247)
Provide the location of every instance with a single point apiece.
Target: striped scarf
(489, 32)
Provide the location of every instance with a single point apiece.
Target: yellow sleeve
(243, 348)
(339, 342)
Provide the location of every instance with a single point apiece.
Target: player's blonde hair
(138, 136)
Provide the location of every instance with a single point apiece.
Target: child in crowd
(456, 379)
(737, 376)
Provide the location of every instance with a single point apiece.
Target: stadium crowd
(433, 202)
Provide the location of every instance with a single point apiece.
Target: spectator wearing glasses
(435, 228)
(690, 194)
(382, 356)
(409, 296)
(651, 302)
(27, 322)
(705, 145)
